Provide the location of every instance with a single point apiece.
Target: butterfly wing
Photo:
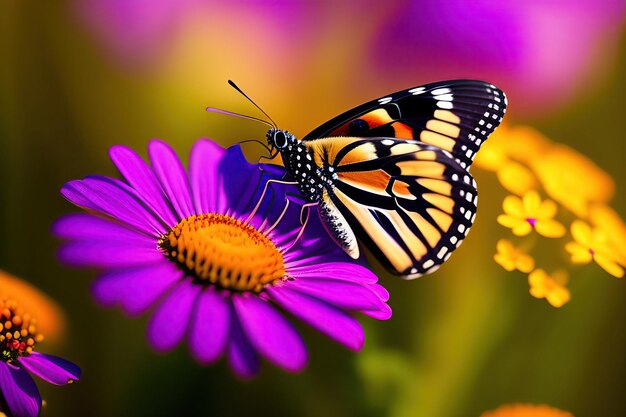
(411, 203)
(456, 116)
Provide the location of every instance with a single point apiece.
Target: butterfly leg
(296, 198)
(265, 189)
(305, 207)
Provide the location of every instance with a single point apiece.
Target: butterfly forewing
(456, 116)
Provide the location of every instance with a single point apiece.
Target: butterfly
(393, 173)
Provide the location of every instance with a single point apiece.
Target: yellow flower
(50, 318)
(493, 154)
(593, 244)
(551, 287)
(511, 258)
(606, 219)
(572, 179)
(516, 178)
(521, 143)
(524, 215)
(526, 410)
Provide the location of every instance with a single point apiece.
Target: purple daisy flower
(19, 396)
(216, 251)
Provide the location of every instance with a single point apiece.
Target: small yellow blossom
(606, 219)
(526, 410)
(493, 154)
(520, 143)
(592, 244)
(523, 215)
(526, 144)
(511, 258)
(572, 179)
(516, 178)
(551, 287)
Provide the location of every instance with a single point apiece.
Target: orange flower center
(532, 221)
(18, 331)
(226, 252)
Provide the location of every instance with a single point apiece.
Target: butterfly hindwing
(456, 116)
(410, 203)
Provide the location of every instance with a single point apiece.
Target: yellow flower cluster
(527, 164)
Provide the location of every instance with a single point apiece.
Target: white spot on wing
(440, 91)
(445, 97)
(417, 91)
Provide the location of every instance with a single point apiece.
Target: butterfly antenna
(232, 84)
(243, 116)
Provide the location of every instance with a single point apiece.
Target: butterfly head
(280, 139)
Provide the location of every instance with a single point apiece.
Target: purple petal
(103, 254)
(50, 368)
(19, 391)
(90, 227)
(342, 294)
(344, 271)
(381, 291)
(172, 176)
(242, 357)
(170, 321)
(384, 312)
(206, 181)
(136, 289)
(209, 329)
(141, 177)
(327, 319)
(270, 333)
(112, 198)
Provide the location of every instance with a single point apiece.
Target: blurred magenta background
(79, 76)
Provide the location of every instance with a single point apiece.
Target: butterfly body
(394, 173)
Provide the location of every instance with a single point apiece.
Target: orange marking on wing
(444, 220)
(429, 231)
(330, 147)
(445, 204)
(389, 247)
(401, 189)
(438, 186)
(437, 140)
(418, 168)
(363, 152)
(372, 181)
(402, 131)
(374, 119)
